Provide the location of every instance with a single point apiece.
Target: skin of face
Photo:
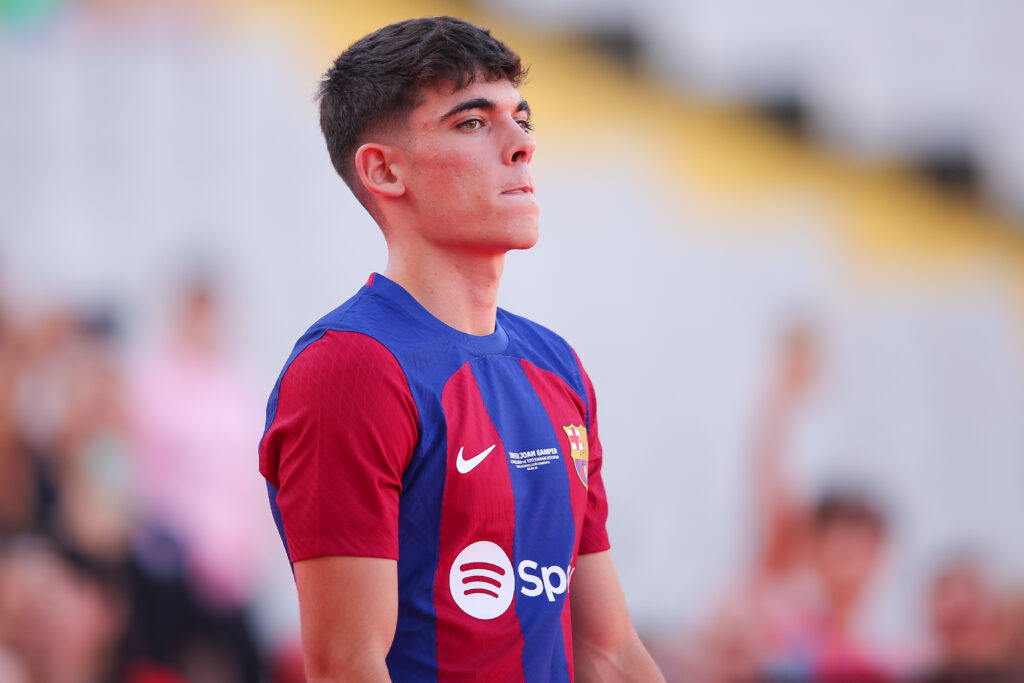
(468, 177)
(848, 553)
(962, 615)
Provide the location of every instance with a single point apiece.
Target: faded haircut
(377, 81)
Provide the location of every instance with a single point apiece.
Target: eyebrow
(481, 103)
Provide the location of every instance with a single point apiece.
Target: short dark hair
(378, 79)
(851, 505)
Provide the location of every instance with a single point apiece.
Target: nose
(520, 146)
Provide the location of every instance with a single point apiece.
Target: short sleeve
(594, 537)
(344, 430)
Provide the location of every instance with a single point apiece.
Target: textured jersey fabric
(473, 461)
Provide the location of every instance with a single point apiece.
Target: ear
(378, 169)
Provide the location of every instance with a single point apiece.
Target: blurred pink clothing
(197, 422)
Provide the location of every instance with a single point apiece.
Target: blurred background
(786, 239)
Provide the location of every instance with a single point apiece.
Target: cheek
(444, 168)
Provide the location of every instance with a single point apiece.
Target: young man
(433, 461)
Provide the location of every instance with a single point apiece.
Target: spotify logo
(481, 580)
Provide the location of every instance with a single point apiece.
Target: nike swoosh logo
(464, 466)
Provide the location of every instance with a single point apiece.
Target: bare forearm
(353, 675)
(632, 663)
(606, 647)
(345, 665)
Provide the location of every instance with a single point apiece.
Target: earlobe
(378, 169)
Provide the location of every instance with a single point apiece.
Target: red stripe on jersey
(477, 496)
(565, 408)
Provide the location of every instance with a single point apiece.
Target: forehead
(434, 102)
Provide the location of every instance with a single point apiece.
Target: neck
(459, 289)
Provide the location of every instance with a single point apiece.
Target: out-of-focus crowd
(133, 530)
(128, 551)
(797, 614)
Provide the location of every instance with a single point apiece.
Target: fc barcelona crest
(580, 451)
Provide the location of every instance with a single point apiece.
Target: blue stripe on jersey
(545, 531)
(276, 512)
(419, 524)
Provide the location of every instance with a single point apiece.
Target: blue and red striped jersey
(474, 461)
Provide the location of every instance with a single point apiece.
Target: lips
(522, 189)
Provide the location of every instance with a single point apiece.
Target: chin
(527, 244)
(524, 238)
(524, 230)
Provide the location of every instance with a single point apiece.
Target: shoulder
(342, 387)
(533, 336)
(349, 339)
(340, 356)
(339, 372)
(346, 378)
(545, 348)
(360, 313)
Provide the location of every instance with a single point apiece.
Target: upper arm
(348, 607)
(342, 434)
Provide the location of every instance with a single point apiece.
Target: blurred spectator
(17, 488)
(977, 635)
(129, 544)
(962, 619)
(195, 417)
(67, 523)
(44, 360)
(58, 624)
(92, 466)
(795, 617)
(1011, 640)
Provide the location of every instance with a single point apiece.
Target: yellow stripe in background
(892, 222)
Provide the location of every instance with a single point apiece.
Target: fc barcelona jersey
(474, 461)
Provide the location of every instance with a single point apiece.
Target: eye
(525, 124)
(471, 124)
